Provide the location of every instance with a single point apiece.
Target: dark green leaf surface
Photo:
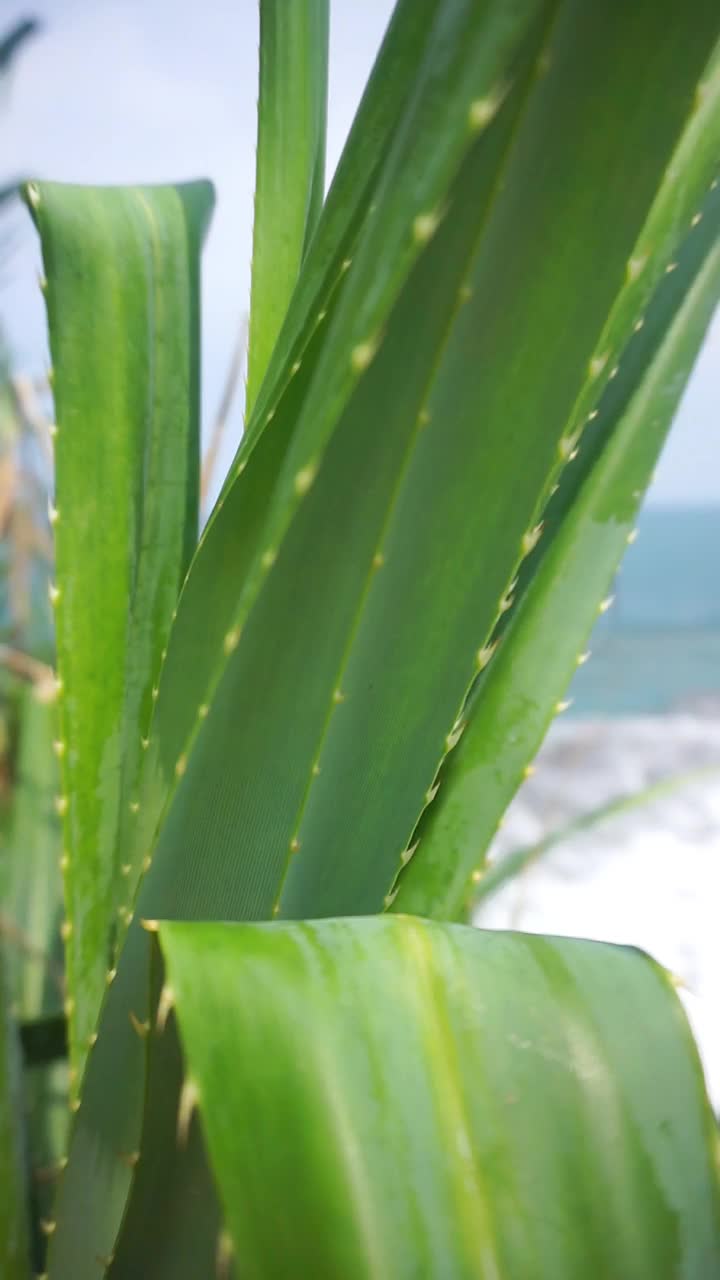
(198, 654)
(290, 172)
(521, 691)
(122, 297)
(509, 370)
(367, 1088)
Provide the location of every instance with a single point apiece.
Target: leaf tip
(189, 1098)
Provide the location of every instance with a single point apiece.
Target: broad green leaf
(14, 1243)
(522, 689)
(290, 169)
(122, 299)
(198, 656)
(394, 1098)
(455, 92)
(298, 657)
(232, 537)
(417, 502)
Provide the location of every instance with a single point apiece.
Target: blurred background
(617, 833)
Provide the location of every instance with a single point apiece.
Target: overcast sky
(158, 90)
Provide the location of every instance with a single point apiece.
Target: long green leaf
(408, 36)
(514, 702)
(368, 1087)
(232, 538)
(243, 535)
(122, 298)
(290, 171)
(353, 715)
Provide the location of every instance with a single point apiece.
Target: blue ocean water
(658, 648)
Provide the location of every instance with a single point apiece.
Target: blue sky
(158, 90)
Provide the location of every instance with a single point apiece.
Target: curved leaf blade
(433, 506)
(497, 36)
(122, 298)
(367, 1088)
(518, 695)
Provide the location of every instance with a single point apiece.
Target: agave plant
(285, 746)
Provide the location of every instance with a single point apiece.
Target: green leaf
(367, 1088)
(290, 171)
(407, 499)
(122, 298)
(237, 550)
(320, 624)
(14, 1245)
(232, 537)
(520, 692)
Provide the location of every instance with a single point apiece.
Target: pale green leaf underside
(121, 270)
(367, 1089)
(290, 169)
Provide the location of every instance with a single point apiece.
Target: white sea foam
(651, 876)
